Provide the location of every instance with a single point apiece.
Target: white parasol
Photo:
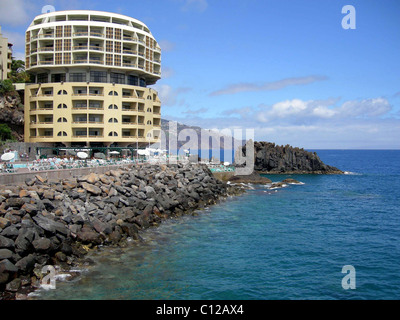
(8, 156)
(82, 155)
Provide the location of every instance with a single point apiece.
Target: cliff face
(12, 114)
(270, 158)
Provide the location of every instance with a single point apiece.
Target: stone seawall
(56, 222)
(20, 177)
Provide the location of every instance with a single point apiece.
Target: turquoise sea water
(286, 244)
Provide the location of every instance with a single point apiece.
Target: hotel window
(148, 109)
(118, 34)
(77, 77)
(112, 106)
(58, 77)
(62, 120)
(62, 106)
(117, 60)
(117, 47)
(59, 58)
(113, 93)
(149, 122)
(133, 80)
(117, 78)
(109, 59)
(59, 45)
(42, 78)
(112, 120)
(109, 46)
(109, 33)
(98, 76)
(62, 134)
(67, 31)
(67, 45)
(113, 134)
(59, 32)
(62, 92)
(67, 58)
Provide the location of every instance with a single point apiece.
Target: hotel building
(92, 71)
(5, 57)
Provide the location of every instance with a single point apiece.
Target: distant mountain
(195, 136)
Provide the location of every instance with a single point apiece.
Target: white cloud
(365, 108)
(269, 86)
(16, 12)
(297, 110)
(195, 5)
(169, 95)
(166, 45)
(197, 111)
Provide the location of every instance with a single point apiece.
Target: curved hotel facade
(92, 71)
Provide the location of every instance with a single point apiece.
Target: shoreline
(57, 223)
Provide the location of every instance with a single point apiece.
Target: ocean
(289, 243)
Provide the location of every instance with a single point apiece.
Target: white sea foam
(352, 173)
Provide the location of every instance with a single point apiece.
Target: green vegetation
(5, 132)
(6, 86)
(18, 73)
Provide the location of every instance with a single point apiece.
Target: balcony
(46, 63)
(96, 34)
(129, 65)
(96, 48)
(81, 34)
(46, 49)
(128, 38)
(128, 51)
(84, 47)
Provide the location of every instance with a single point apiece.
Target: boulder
(87, 235)
(42, 244)
(91, 188)
(7, 266)
(26, 264)
(4, 223)
(5, 254)
(6, 243)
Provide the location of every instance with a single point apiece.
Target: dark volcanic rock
(58, 222)
(272, 159)
(255, 178)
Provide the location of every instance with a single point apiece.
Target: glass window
(133, 80)
(98, 76)
(42, 78)
(77, 77)
(117, 78)
(59, 77)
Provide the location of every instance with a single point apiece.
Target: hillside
(12, 114)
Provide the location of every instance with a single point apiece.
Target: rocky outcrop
(273, 159)
(57, 222)
(12, 114)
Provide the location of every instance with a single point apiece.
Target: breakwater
(57, 222)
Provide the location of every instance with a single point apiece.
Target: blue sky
(285, 68)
